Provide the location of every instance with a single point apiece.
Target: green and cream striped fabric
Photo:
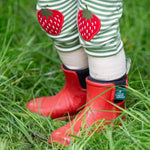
(106, 42)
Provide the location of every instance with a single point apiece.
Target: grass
(27, 54)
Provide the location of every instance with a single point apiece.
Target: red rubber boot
(67, 101)
(99, 107)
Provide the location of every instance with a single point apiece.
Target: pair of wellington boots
(98, 101)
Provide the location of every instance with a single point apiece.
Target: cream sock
(108, 68)
(75, 60)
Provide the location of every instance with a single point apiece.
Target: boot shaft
(101, 98)
(75, 78)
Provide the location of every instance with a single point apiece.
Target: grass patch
(27, 55)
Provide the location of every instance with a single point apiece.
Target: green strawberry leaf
(87, 14)
(46, 13)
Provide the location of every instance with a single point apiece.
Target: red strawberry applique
(50, 20)
(89, 24)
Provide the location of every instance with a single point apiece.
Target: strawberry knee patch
(88, 24)
(50, 20)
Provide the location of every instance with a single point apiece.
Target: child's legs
(67, 42)
(105, 50)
